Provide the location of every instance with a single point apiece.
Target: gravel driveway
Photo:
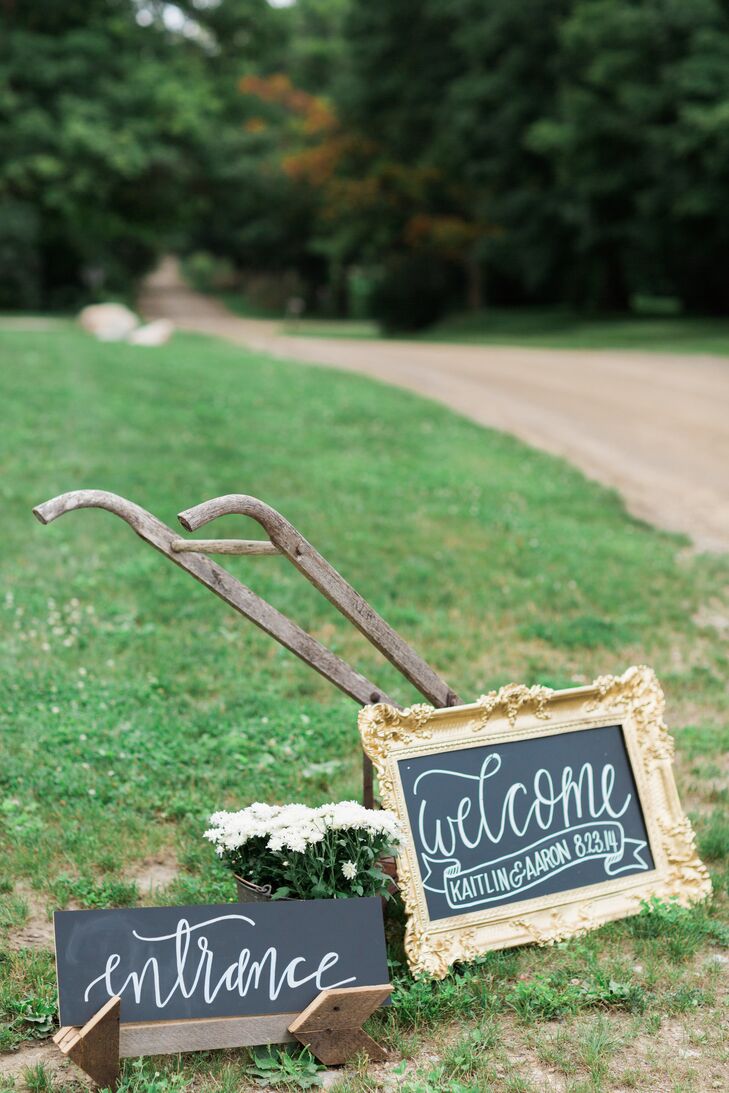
(653, 425)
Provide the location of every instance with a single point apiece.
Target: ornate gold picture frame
(522, 829)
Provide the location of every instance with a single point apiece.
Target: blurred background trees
(398, 160)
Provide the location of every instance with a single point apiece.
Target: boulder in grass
(155, 333)
(108, 322)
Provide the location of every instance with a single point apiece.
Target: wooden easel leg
(368, 795)
(95, 1047)
(331, 1027)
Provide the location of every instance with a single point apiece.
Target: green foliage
(35, 1015)
(423, 1002)
(27, 997)
(295, 1069)
(91, 893)
(399, 105)
(207, 273)
(19, 255)
(636, 147)
(101, 123)
(440, 155)
(13, 911)
(688, 998)
(580, 142)
(589, 131)
(680, 929)
(39, 1080)
(411, 293)
(464, 1059)
(508, 78)
(548, 997)
(140, 1076)
(713, 836)
(466, 1066)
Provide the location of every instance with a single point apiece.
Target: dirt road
(653, 425)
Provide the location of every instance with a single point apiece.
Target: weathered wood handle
(224, 585)
(331, 584)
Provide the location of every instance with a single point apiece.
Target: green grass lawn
(134, 703)
(316, 327)
(535, 327)
(546, 327)
(563, 329)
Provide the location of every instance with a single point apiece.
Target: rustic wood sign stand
(331, 1027)
(192, 555)
(95, 1047)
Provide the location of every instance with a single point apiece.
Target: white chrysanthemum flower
(295, 841)
(349, 869)
(297, 827)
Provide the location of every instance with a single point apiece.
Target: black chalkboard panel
(228, 960)
(501, 823)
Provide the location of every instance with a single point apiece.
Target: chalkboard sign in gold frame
(532, 814)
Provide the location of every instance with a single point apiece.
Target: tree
(408, 214)
(260, 214)
(101, 121)
(638, 151)
(541, 151)
(593, 134)
(271, 76)
(506, 80)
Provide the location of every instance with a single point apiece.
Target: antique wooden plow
(193, 555)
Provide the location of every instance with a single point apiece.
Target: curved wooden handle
(224, 585)
(137, 517)
(331, 584)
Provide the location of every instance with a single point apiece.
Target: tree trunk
(615, 295)
(474, 284)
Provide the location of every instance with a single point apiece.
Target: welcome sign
(227, 960)
(523, 819)
(532, 814)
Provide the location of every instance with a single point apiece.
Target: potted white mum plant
(296, 852)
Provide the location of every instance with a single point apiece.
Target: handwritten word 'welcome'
(521, 811)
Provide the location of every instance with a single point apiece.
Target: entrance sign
(532, 815)
(230, 960)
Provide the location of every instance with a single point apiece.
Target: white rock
(108, 322)
(156, 333)
(328, 1078)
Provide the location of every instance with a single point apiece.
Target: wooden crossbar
(223, 546)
